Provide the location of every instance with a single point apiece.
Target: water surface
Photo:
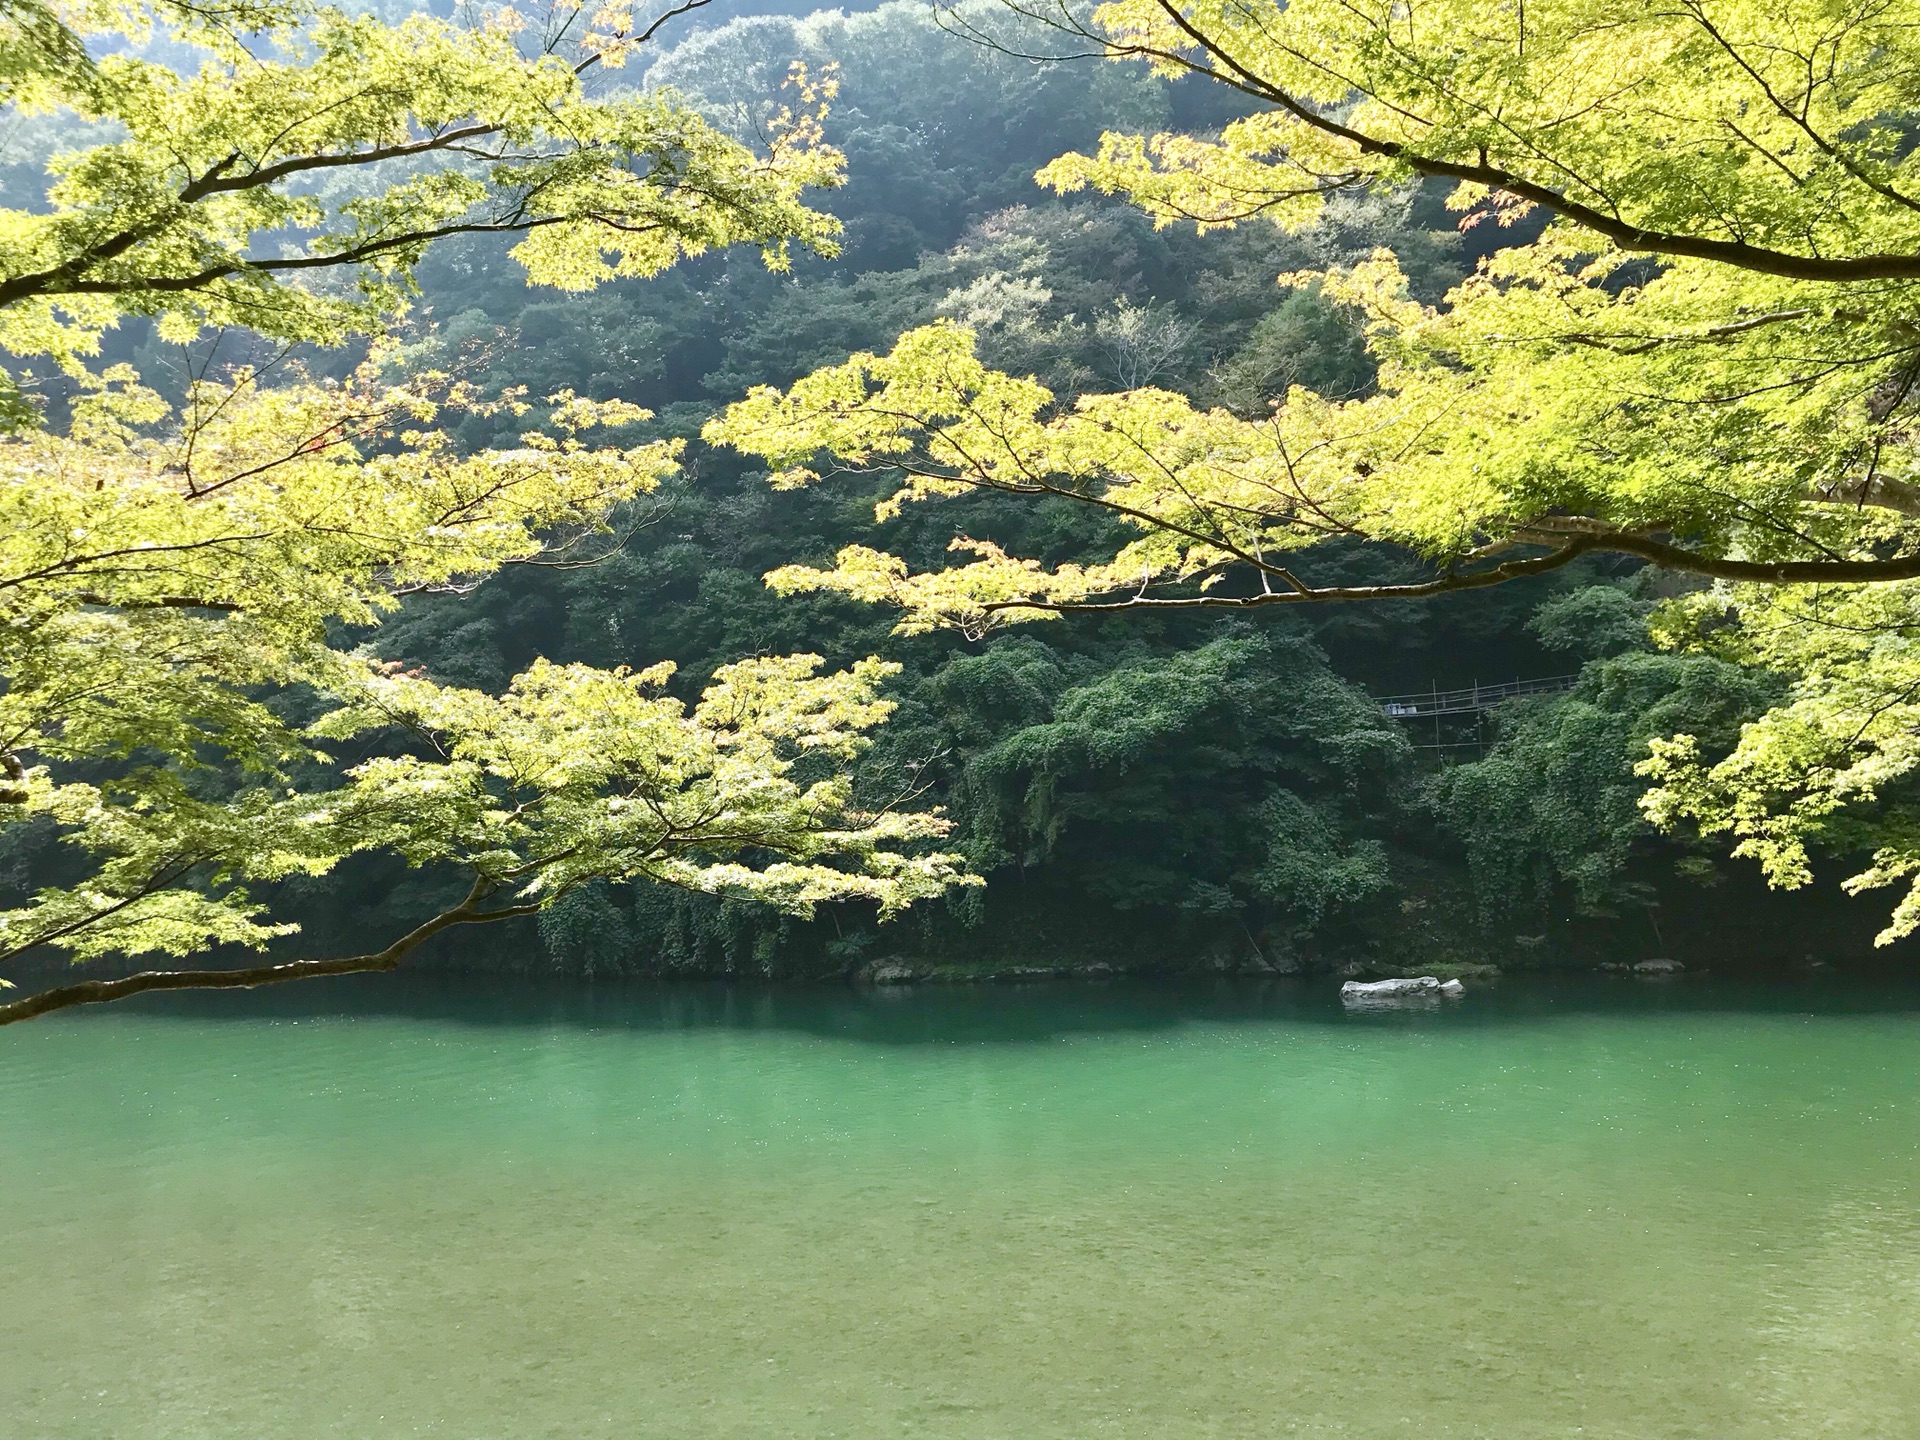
(384, 1208)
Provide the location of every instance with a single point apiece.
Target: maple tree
(179, 584)
(1707, 358)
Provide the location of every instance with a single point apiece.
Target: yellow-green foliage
(1769, 124)
(174, 582)
(310, 141)
(1832, 767)
(1709, 358)
(164, 579)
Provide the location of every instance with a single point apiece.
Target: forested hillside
(1196, 792)
(1185, 791)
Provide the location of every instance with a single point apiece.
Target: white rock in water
(1658, 967)
(1453, 989)
(1389, 989)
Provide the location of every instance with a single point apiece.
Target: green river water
(391, 1208)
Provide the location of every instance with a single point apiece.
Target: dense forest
(1183, 791)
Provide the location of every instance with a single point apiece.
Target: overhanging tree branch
(1228, 69)
(237, 173)
(1569, 542)
(96, 992)
(354, 255)
(1303, 594)
(1691, 562)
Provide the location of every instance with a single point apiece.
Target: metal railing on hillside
(1469, 700)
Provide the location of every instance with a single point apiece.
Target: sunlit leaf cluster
(1702, 350)
(182, 585)
(307, 142)
(162, 585)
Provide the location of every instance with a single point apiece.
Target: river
(389, 1207)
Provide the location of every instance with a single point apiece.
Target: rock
(1658, 967)
(1614, 967)
(892, 972)
(1360, 991)
(1452, 989)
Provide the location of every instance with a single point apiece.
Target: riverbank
(897, 971)
(1736, 928)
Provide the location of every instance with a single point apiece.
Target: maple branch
(1304, 594)
(1691, 562)
(95, 992)
(1570, 539)
(1621, 232)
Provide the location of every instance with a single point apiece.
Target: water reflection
(948, 1014)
